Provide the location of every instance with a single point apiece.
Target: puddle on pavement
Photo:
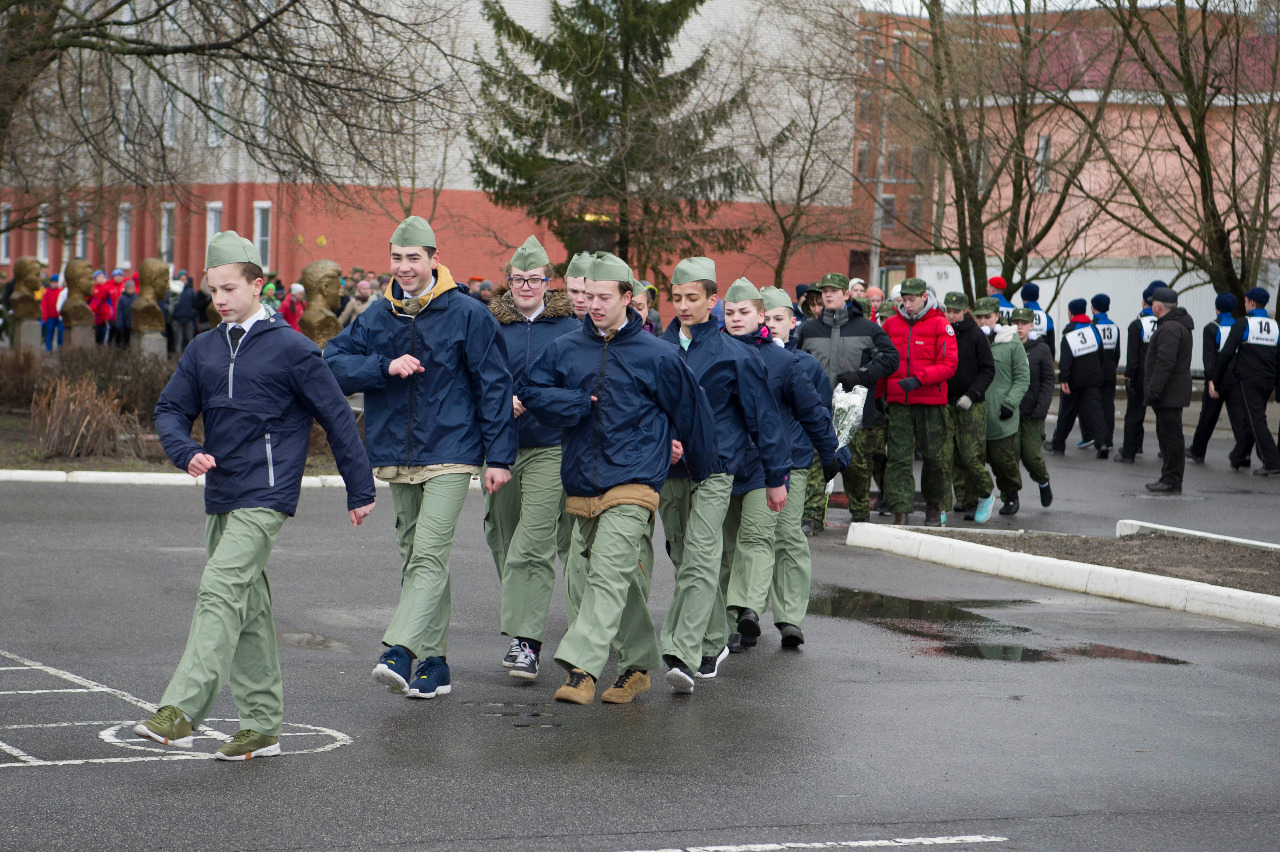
(523, 711)
(314, 641)
(953, 629)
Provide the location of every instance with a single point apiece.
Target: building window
(126, 110)
(866, 164)
(169, 117)
(6, 244)
(217, 108)
(82, 231)
(42, 234)
(262, 231)
(891, 163)
(212, 221)
(1044, 160)
(915, 212)
(888, 204)
(124, 237)
(167, 222)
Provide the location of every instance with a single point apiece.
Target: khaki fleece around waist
(630, 494)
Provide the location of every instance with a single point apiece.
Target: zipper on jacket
(595, 435)
(271, 465)
(231, 366)
(413, 350)
(906, 394)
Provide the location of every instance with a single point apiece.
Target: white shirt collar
(248, 324)
(541, 307)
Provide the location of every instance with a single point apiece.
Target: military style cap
(956, 301)
(531, 255)
(775, 297)
(414, 231)
(637, 286)
(986, 306)
(230, 247)
(579, 266)
(694, 269)
(913, 287)
(864, 304)
(1022, 315)
(833, 281)
(742, 290)
(609, 267)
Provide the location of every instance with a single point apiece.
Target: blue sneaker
(430, 679)
(393, 668)
(982, 514)
(1082, 445)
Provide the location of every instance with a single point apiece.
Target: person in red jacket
(293, 306)
(918, 416)
(103, 304)
(51, 311)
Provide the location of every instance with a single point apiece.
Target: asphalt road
(928, 703)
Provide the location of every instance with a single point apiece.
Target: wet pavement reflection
(952, 628)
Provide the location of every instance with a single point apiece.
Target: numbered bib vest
(1082, 341)
(1006, 311)
(1040, 323)
(1223, 334)
(1263, 331)
(1110, 335)
(1148, 328)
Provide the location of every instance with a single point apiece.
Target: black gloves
(844, 458)
(1005, 412)
(850, 379)
(909, 384)
(829, 470)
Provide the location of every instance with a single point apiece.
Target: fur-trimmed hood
(556, 304)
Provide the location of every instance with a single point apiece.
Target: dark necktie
(234, 334)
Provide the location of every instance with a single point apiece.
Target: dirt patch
(1203, 560)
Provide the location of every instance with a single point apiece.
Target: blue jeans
(49, 327)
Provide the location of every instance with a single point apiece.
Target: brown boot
(579, 688)
(628, 685)
(900, 519)
(932, 515)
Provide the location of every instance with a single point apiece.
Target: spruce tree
(591, 133)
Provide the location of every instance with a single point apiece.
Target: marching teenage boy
(257, 424)
(807, 420)
(520, 521)
(438, 405)
(1004, 398)
(693, 516)
(1034, 407)
(621, 396)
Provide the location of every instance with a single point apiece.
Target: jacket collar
(759, 337)
(630, 328)
(700, 332)
(555, 304)
(442, 285)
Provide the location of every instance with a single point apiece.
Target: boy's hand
(1065, 388)
(495, 478)
(405, 366)
(358, 515)
(776, 498)
(517, 407)
(200, 463)
(677, 451)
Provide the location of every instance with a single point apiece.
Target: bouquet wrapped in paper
(846, 414)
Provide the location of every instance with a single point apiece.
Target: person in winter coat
(51, 302)
(123, 322)
(1247, 374)
(257, 426)
(917, 395)
(432, 365)
(1035, 404)
(184, 316)
(621, 396)
(520, 520)
(103, 305)
(1030, 293)
(1004, 402)
(1135, 410)
(1166, 379)
(853, 351)
(1080, 375)
(966, 397)
(1110, 332)
(357, 304)
(997, 288)
(293, 305)
(1213, 338)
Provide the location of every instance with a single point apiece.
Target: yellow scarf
(411, 306)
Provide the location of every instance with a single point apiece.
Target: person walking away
(1135, 410)
(123, 321)
(966, 395)
(997, 287)
(1080, 377)
(1110, 332)
(103, 304)
(1246, 376)
(184, 316)
(51, 302)
(1034, 407)
(1030, 293)
(1167, 380)
(257, 426)
(1213, 339)
(1009, 385)
(293, 305)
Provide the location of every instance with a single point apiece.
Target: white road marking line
(47, 691)
(13, 668)
(80, 681)
(843, 844)
(14, 751)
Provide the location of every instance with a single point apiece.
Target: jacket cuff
(498, 465)
(775, 479)
(384, 366)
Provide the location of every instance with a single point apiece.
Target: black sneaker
(1046, 495)
(711, 665)
(748, 625)
(1267, 471)
(1122, 458)
(1051, 449)
(526, 664)
(512, 653)
(792, 636)
(735, 643)
(1195, 458)
(809, 528)
(680, 679)
(1010, 506)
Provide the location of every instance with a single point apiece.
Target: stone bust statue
(153, 289)
(26, 273)
(79, 280)
(322, 281)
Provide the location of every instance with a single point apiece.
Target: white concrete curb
(1124, 528)
(111, 477)
(1150, 589)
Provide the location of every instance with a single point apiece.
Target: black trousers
(1085, 403)
(1135, 412)
(1210, 411)
(1247, 410)
(1172, 444)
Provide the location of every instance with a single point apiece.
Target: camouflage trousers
(969, 464)
(815, 496)
(863, 445)
(1003, 455)
(1031, 448)
(927, 427)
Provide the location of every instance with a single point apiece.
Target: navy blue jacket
(257, 411)
(644, 394)
(748, 424)
(525, 342)
(185, 308)
(456, 412)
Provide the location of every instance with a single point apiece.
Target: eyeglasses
(527, 283)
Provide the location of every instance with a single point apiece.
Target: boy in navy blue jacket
(621, 396)
(437, 408)
(258, 385)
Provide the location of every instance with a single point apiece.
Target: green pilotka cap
(579, 266)
(986, 306)
(414, 231)
(864, 304)
(776, 297)
(742, 290)
(694, 269)
(230, 247)
(636, 287)
(955, 301)
(1018, 315)
(529, 256)
(913, 287)
(609, 267)
(833, 281)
